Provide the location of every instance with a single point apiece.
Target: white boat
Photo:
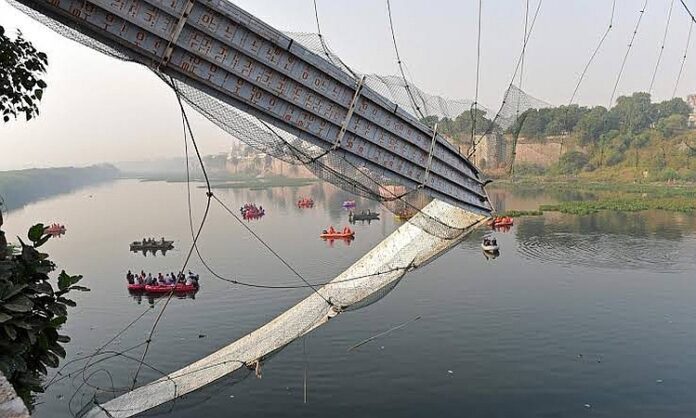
(490, 247)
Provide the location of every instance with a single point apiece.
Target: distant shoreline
(21, 187)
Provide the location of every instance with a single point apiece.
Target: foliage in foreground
(31, 314)
(21, 68)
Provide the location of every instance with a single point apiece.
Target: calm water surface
(579, 316)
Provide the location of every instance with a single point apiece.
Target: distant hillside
(635, 140)
(19, 187)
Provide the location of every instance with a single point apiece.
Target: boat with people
(347, 204)
(151, 244)
(490, 245)
(367, 215)
(162, 283)
(501, 221)
(251, 211)
(305, 203)
(55, 230)
(169, 288)
(332, 233)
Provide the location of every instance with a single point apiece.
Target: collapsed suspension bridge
(304, 106)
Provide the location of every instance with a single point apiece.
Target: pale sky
(98, 109)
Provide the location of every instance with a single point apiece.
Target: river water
(578, 316)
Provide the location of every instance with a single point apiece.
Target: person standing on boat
(129, 277)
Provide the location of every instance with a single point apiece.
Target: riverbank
(229, 181)
(20, 187)
(582, 198)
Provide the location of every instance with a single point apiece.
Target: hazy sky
(100, 109)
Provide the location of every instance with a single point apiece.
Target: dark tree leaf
(36, 232)
(19, 303)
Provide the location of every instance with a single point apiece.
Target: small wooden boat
(349, 204)
(151, 245)
(177, 288)
(489, 248)
(363, 216)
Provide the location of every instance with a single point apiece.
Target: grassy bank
(598, 196)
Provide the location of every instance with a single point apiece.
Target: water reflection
(140, 295)
(146, 251)
(602, 240)
(510, 326)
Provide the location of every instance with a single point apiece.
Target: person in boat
(150, 280)
(192, 279)
(130, 278)
(160, 279)
(331, 230)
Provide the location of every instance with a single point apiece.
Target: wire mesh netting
(337, 167)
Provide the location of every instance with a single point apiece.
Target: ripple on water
(602, 251)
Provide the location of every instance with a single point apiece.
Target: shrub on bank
(32, 312)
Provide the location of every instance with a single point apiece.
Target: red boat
(305, 203)
(136, 287)
(178, 288)
(501, 221)
(346, 233)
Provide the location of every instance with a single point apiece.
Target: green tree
(21, 68)
(572, 162)
(634, 113)
(459, 128)
(676, 106)
(673, 124)
(592, 125)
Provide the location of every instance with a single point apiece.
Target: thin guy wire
(683, 61)
(594, 53)
(398, 60)
(628, 51)
(662, 47)
(478, 68)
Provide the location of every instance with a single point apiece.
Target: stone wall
(542, 153)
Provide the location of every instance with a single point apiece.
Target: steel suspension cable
(492, 125)
(325, 47)
(474, 106)
(683, 60)
(662, 47)
(594, 53)
(398, 60)
(628, 51)
(693, 18)
(524, 50)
